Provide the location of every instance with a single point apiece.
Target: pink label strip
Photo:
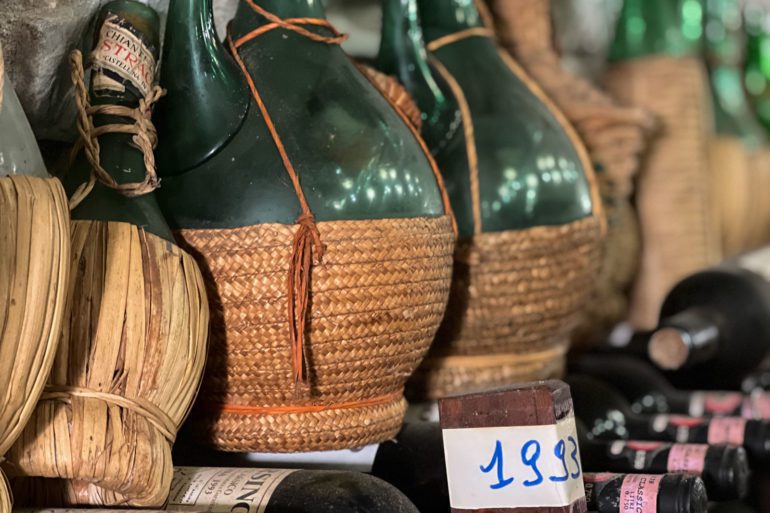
(727, 430)
(687, 458)
(639, 494)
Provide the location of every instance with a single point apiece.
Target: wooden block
(545, 407)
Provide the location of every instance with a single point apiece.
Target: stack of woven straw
(34, 270)
(615, 136)
(674, 201)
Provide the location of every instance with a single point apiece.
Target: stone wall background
(37, 36)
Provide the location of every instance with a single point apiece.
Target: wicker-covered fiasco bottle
(738, 156)
(615, 136)
(319, 218)
(530, 221)
(34, 270)
(656, 66)
(133, 347)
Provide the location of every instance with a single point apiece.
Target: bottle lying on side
(649, 391)
(723, 468)
(633, 493)
(608, 416)
(251, 490)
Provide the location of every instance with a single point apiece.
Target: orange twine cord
(307, 241)
(311, 408)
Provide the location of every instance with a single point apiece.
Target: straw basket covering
(514, 301)
(126, 372)
(740, 180)
(615, 137)
(674, 192)
(34, 256)
(376, 302)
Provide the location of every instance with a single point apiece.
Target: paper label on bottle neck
(715, 403)
(224, 490)
(757, 406)
(687, 458)
(121, 57)
(727, 430)
(639, 494)
(681, 423)
(639, 453)
(513, 466)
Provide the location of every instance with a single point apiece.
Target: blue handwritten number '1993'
(497, 461)
(560, 451)
(531, 461)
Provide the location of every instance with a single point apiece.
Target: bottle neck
(207, 95)
(402, 53)
(648, 27)
(247, 19)
(725, 44)
(442, 17)
(687, 338)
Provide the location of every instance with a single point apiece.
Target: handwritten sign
(513, 466)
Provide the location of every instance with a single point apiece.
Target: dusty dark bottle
(649, 391)
(714, 325)
(606, 415)
(634, 493)
(250, 490)
(287, 144)
(723, 468)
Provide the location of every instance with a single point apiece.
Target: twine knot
(144, 136)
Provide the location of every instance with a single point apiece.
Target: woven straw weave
(376, 302)
(615, 137)
(674, 192)
(34, 256)
(515, 299)
(136, 329)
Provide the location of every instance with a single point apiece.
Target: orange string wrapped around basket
(615, 136)
(34, 272)
(673, 197)
(133, 346)
(363, 310)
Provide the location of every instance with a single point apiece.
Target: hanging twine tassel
(307, 245)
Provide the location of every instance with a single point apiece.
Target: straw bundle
(674, 192)
(615, 137)
(128, 367)
(34, 270)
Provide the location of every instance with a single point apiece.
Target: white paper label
(513, 466)
(225, 490)
(123, 53)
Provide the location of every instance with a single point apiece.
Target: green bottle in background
(653, 27)
(516, 177)
(757, 64)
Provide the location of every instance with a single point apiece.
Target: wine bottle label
(639, 454)
(715, 403)
(757, 406)
(680, 424)
(122, 58)
(687, 458)
(513, 466)
(639, 494)
(727, 430)
(231, 490)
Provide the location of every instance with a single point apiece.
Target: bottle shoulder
(355, 157)
(529, 170)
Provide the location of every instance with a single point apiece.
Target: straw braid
(143, 131)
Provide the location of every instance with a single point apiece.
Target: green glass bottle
(288, 172)
(354, 156)
(649, 27)
(725, 44)
(757, 65)
(119, 156)
(529, 173)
